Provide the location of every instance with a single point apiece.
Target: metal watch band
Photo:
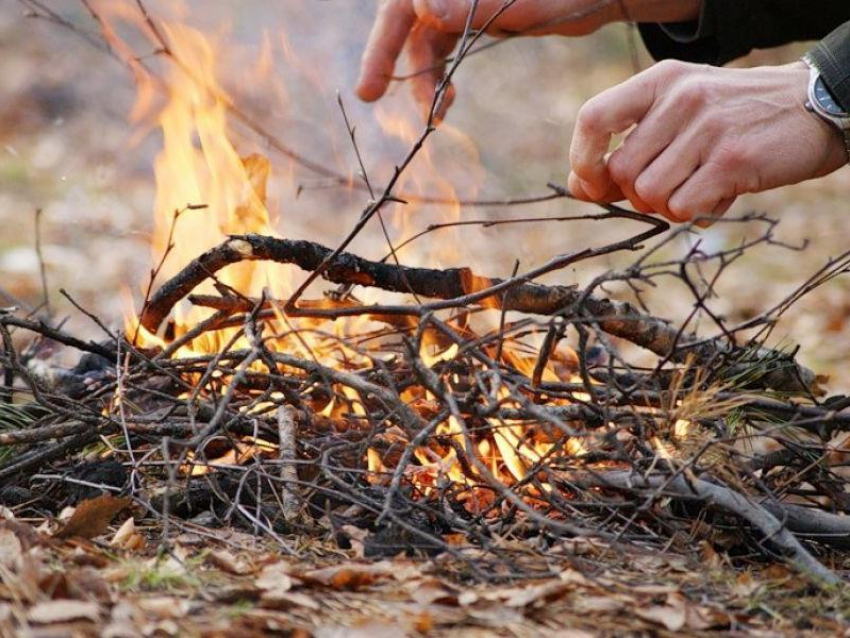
(842, 124)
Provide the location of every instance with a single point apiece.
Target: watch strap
(842, 124)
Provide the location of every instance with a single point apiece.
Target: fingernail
(439, 8)
(592, 191)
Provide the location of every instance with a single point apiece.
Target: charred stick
(37, 458)
(409, 418)
(36, 435)
(45, 330)
(618, 318)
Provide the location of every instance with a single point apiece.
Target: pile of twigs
(414, 456)
(713, 438)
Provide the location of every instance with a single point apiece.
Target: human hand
(429, 31)
(702, 136)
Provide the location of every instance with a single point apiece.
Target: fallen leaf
(10, 549)
(671, 617)
(276, 599)
(164, 607)
(353, 576)
(467, 598)
(539, 593)
(229, 563)
(27, 535)
(592, 604)
(276, 578)
(342, 577)
(55, 611)
(432, 591)
(124, 533)
(92, 516)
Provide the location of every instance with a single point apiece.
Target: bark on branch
(776, 525)
(617, 318)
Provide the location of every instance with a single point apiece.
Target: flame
(207, 190)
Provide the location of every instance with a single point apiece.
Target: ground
(229, 583)
(67, 149)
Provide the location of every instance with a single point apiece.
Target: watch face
(826, 100)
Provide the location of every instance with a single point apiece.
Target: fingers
(608, 114)
(427, 51)
(659, 167)
(651, 186)
(704, 194)
(530, 17)
(635, 168)
(392, 26)
(577, 189)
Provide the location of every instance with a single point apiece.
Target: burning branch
(457, 286)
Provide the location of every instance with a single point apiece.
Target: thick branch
(617, 318)
(759, 515)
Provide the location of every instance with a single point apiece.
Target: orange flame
(206, 191)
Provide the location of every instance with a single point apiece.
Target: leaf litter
(125, 582)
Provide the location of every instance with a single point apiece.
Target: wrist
(659, 11)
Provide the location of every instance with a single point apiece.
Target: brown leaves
(233, 585)
(228, 562)
(59, 611)
(93, 516)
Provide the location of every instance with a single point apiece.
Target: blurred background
(69, 149)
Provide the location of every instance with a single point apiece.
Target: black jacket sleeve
(728, 29)
(832, 57)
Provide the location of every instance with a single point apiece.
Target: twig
(288, 457)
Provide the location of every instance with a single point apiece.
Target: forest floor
(207, 582)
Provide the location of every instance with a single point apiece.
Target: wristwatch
(822, 103)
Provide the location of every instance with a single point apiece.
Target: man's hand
(702, 136)
(429, 30)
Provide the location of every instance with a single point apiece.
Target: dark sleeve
(729, 29)
(832, 58)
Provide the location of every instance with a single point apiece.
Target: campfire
(450, 413)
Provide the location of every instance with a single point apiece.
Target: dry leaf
(671, 617)
(275, 578)
(229, 563)
(539, 593)
(164, 607)
(127, 529)
(431, 591)
(597, 604)
(276, 599)
(55, 611)
(126, 536)
(342, 577)
(92, 516)
(10, 549)
(467, 598)
(352, 576)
